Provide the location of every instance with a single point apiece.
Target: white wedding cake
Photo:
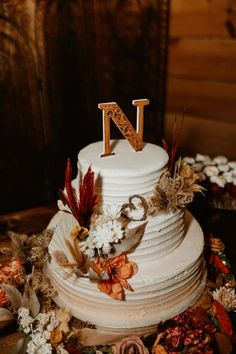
(139, 260)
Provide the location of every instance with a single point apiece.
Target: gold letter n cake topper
(112, 111)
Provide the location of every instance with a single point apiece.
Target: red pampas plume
(174, 144)
(88, 198)
(82, 209)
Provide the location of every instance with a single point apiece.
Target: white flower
(25, 320)
(211, 171)
(203, 158)
(105, 235)
(88, 247)
(189, 160)
(38, 344)
(219, 180)
(113, 211)
(223, 167)
(218, 160)
(197, 167)
(228, 176)
(43, 318)
(38, 329)
(226, 296)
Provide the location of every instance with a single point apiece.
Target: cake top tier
(126, 162)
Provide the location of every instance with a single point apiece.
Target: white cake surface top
(126, 160)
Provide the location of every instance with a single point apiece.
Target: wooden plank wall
(201, 76)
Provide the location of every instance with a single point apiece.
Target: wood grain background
(58, 60)
(202, 75)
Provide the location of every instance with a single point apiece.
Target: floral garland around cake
(26, 301)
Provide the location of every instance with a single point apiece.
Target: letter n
(112, 111)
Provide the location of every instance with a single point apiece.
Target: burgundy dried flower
(82, 208)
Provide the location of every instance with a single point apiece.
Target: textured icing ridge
(126, 173)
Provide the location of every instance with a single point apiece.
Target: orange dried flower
(117, 270)
(11, 271)
(222, 318)
(4, 301)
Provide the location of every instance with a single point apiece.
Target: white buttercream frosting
(163, 287)
(171, 272)
(119, 176)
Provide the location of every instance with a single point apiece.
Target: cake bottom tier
(162, 288)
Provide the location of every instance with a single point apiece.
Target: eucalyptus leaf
(6, 314)
(14, 295)
(6, 317)
(30, 300)
(20, 346)
(131, 240)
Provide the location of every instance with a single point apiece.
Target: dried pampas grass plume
(175, 192)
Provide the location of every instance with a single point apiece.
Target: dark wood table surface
(220, 222)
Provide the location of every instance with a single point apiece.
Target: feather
(81, 209)
(174, 144)
(88, 198)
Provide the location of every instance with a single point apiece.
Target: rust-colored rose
(4, 301)
(130, 345)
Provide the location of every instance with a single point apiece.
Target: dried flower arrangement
(26, 299)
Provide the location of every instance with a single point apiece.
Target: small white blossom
(112, 211)
(101, 238)
(88, 247)
(228, 176)
(211, 171)
(203, 158)
(38, 344)
(25, 320)
(219, 180)
(218, 160)
(38, 330)
(197, 167)
(223, 167)
(226, 296)
(189, 160)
